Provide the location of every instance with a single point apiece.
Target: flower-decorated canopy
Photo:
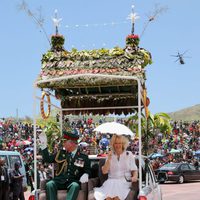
(95, 81)
(84, 85)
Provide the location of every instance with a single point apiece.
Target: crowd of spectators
(182, 144)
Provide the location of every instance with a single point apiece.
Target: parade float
(98, 81)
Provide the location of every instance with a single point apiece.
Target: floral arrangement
(132, 39)
(57, 42)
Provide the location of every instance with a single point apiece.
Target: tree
(151, 126)
(51, 128)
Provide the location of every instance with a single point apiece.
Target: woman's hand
(109, 155)
(106, 166)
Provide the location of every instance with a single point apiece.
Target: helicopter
(180, 57)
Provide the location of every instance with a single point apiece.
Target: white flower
(133, 17)
(55, 19)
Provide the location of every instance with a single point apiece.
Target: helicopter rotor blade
(184, 52)
(176, 60)
(187, 57)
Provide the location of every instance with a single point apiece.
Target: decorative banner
(96, 25)
(146, 103)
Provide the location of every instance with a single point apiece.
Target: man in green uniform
(73, 166)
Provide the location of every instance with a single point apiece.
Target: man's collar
(74, 152)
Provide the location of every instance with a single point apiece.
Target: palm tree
(151, 126)
(160, 122)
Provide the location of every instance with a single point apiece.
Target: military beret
(70, 134)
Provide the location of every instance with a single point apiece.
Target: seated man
(74, 166)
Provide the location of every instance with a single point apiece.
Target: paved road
(185, 191)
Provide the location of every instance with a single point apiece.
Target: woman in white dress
(122, 171)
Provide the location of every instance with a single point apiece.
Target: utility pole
(17, 115)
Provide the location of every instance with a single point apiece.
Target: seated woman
(122, 171)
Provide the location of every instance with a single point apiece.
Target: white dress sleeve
(132, 164)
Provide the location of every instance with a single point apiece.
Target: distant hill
(187, 114)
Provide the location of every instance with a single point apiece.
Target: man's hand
(84, 178)
(43, 140)
(134, 178)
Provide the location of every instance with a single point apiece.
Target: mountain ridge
(186, 114)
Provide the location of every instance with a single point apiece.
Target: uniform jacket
(70, 169)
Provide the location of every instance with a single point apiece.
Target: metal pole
(61, 121)
(35, 143)
(17, 115)
(140, 135)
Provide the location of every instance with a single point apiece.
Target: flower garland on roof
(130, 60)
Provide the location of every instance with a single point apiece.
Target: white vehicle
(150, 186)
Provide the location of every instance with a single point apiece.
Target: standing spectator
(27, 168)
(196, 164)
(32, 172)
(4, 181)
(17, 180)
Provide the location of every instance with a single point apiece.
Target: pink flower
(132, 36)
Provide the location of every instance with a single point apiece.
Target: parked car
(179, 172)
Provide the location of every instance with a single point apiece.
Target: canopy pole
(35, 143)
(61, 121)
(140, 135)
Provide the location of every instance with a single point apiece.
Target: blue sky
(170, 86)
